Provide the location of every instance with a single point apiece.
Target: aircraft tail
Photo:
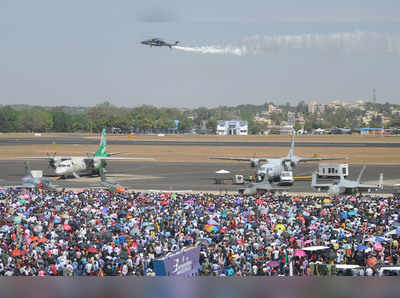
(102, 151)
(27, 169)
(291, 151)
(361, 173)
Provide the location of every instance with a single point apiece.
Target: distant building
(227, 128)
(273, 109)
(312, 107)
(279, 129)
(371, 131)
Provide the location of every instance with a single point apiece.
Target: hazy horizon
(84, 53)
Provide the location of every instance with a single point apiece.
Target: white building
(227, 128)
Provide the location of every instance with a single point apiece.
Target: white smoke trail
(346, 42)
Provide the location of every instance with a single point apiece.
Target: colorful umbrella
(394, 232)
(211, 228)
(17, 253)
(92, 250)
(120, 189)
(164, 203)
(300, 253)
(377, 246)
(296, 199)
(66, 227)
(301, 218)
(4, 229)
(280, 227)
(377, 239)
(259, 202)
(313, 227)
(361, 247)
(273, 264)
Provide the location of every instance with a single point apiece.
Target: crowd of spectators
(98, 233)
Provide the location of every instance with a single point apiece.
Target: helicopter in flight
(158, 42)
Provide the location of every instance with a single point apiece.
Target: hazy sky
(85, 52)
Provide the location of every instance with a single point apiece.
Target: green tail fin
(102, 151)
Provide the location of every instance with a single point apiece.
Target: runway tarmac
(87, 141)
(183, 176)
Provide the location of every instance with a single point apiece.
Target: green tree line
(147, 118)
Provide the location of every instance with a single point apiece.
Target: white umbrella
(393, 232)
(222, 172)
(314, 248)
(377, 239)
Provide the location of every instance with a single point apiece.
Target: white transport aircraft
(277, 169)
(66, 166)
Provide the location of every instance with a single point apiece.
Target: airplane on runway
(35, 182)
(66, 166)
(345, 186)
(158, 42)
(277, 169)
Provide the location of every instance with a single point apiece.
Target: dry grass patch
(201, 153)
(215, 138)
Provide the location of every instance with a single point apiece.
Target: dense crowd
(97, 233)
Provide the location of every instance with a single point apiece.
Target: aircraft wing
(239, 158)
(232, 158)
(114, 153)
(306, 159)
(35, 157)
(45, 157)
(121, 158)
